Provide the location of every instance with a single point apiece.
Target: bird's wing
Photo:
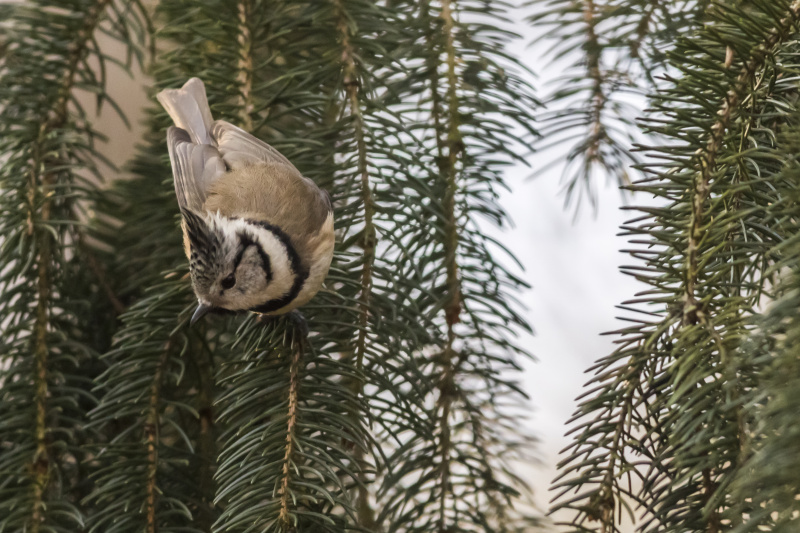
(240, 148)
(194, 168)
(188, 108)
(275, 187)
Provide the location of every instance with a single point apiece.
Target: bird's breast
(317, 259)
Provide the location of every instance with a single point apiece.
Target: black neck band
(300, 273)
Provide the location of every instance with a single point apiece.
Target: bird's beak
(201, 310)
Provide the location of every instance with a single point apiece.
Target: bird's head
(236, 264)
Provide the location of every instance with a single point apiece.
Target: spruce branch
(245, 67)
(470, 90)
(151, 436)
(41, 200)
(207, 447)
(352, 87)
(764, 489)
(49, 337)
(675, 391)
(285, 515)
(150, 406)
(692, 311)
(452, 309)
(624, 45)
(597, 134)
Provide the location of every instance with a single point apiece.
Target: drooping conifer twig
(287, 469)
(675, 392)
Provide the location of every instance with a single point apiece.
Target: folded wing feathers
(178, 144)
(240, 148)
(188, 108)
(200, 149)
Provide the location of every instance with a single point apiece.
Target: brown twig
(291, 422)
(448, 163)
(708, 158)
(352, 87)
(151, 437)
(245, 75)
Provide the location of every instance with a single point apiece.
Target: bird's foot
(299, 322)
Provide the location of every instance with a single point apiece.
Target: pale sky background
(573, 267)
(571, 264)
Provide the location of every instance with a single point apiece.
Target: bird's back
(279, 195)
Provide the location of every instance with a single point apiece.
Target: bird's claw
(299, 322)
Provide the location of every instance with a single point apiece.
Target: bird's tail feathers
(188, 108)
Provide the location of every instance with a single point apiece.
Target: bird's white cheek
(282, 281)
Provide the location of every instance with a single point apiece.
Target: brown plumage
(238, 193)
(271, 192)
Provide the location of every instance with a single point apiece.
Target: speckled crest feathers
(200, 237)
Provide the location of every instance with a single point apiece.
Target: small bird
(258, 235)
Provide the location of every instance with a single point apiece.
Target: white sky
(573, 266)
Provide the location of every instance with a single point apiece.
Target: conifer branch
(672, 392)
(208, 438)
(245, 67)
(151, 437)
(41, 459)
(285, 515)
(692, 312)
(466, 82)
(598, 98)
(447, 386)
(40, 190)
(643, 29)
(454, 147)
(766, 485)
(622, 46)
(352, 87)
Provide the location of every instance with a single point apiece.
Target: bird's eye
(229, 282)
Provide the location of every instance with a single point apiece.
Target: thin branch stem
(151, 437)
(245, 76)
(454, 146)
(353, 89)
(643, 29)
(352, 86)
(598, 100)
(207, 444)
(707, 162)
(291, 422)
(41, 460)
